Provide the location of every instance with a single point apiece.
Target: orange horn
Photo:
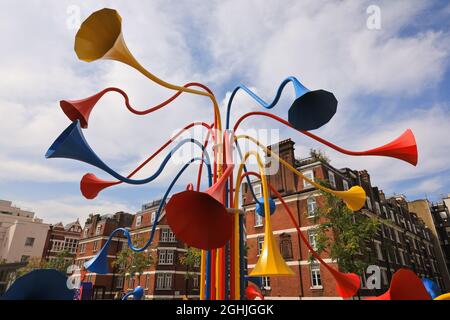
(81, 109)
(91, 185)
(403, 148)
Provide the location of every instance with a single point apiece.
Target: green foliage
(344, 234)
(60, 262)
(191, 259)
(129, 261)
(319, 155)
(33, 264)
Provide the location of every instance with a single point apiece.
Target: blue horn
(71, 144)
(99, 263)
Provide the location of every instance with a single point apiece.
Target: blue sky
(386, 81)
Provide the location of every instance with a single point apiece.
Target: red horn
(347, 284)
(405, 285)
(200, 219)
(403, 148)
(81, 109)
(90, 185)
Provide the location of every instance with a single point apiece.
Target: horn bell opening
(98, 34)
(312, 110)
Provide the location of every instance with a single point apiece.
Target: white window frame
(312, 238)
(257, 189)
(259, 245)
(312, 212)
(369, 203)
(332, 178)
(345, 185)
(258, 220)
(310, 175)
(138, 220)
(316, 277)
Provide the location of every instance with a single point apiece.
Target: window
(172, 237)
(24, 258)
(286, 246)
(86, 232)
(311, 206)
(82, 248)
(345, 184)
(29, 242)
(165, 257)
(164, 281)
(392, 215)
(377, 207)
(310, 175)
(260, 243)
(152, 220)
(195, 282)
(402, 257)
(95, 246)
(119, 282)
(332, 178)
(167, 235)
(138, 221)
(316, 281)
(98, 230)
(168, 281)
(369, 203)
(147, 281)
(130, 283)
(266, 282)
(379, 252)
(257, 190)
(312, 238)
(258, 220)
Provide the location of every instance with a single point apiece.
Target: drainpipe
(299, 251)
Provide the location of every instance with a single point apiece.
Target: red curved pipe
(403, 148)
(348, 284)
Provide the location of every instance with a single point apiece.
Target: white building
(22, 236)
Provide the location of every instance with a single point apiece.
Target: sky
(387, 78)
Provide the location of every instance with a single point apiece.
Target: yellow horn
(354, 198)
(100, 37)
(270, 262)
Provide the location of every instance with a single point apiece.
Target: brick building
(95, 234)
(62, 238)
(167, 277)
(441, 215)
(403, 240)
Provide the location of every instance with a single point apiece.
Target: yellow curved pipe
(354, 198)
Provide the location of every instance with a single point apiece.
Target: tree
(191, 260)
(134, 263)
(61, 261)
(32, 264)
(344, 234)
(319, 155)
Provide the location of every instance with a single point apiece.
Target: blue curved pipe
(299, 91)
(126, 232)
(298, 87)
